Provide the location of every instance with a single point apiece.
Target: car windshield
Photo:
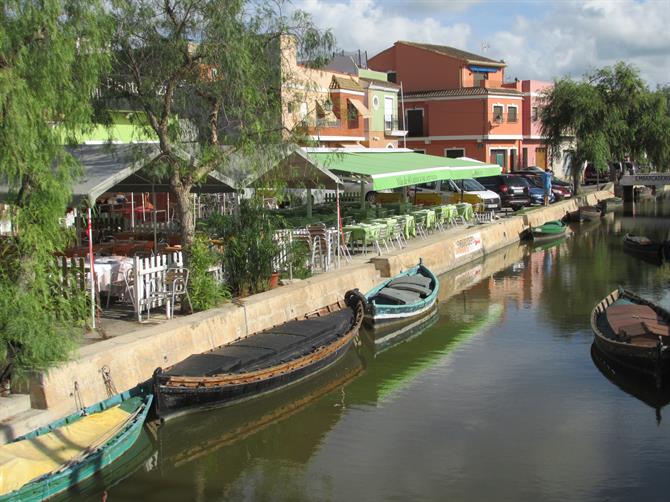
(517, 181)
(470, 185)
(534, 181)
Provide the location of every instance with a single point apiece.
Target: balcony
(391, 127)
(323, 122)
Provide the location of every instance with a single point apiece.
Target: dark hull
(589, 213)
(653, 251)
(261, 363)
(173, 401)
(651, 360)
(537, 237)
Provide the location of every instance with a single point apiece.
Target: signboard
(468, 245)
(653, 179)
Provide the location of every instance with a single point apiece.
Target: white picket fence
(149, 277)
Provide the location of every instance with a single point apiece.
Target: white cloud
(370, 26)
(577, 37)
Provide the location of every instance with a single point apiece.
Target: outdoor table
(110, 269)
(389, 222)
(449, 213)
(429, 217)
(364, 232)
(465, 210)
(408, 225)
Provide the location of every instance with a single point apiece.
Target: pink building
(458, 104)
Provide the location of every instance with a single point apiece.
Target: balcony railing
(391, 124)
(323, 122)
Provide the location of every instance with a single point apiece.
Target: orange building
(458, 104)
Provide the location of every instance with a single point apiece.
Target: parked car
(468, 190)
(592, 175)
(513, 190)
(560, 188)
(558, 192)
(536, 189)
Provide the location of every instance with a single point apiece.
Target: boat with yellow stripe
(55, 458)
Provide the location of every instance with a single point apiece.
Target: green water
(497, 398)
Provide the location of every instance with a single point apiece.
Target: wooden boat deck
(638, 324)
(268, 348)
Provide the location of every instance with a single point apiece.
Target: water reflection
(498, 383)
(632, 383)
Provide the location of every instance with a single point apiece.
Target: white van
(472, 192)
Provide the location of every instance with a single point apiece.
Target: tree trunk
(182, 194)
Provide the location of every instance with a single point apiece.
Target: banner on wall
(468, 245)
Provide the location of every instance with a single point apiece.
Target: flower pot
(274, 280)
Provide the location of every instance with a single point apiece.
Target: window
(303, 110)
(533, 113)
(352, 116)
(497, 113)
(511, 114)
(415, 122)
(391, 75)
(375, 102)
(389, 120)
(454, 153)
(291, 107)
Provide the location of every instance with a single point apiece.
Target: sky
(538, 39)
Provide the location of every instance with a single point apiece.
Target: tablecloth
(465, 210)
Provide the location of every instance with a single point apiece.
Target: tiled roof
(383, 83)
(463, 91)
(455, 53)
(345, 83)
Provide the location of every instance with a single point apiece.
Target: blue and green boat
(55, 458)
(409, 296)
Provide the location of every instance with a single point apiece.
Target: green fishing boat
(54, 459)
(550, 230)
(410, 295)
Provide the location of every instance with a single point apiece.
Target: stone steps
(24, 422)
(13, 405)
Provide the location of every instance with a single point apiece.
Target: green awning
(398, 169)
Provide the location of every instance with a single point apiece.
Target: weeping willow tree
(610, 114)
(208, 77)
(51, 57)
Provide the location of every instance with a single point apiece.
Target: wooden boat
(260, 363)
(589, 213)
(608, 205)
(550, 230)
(55, 458)
(646, 247)
(409, 295)
(633, 331)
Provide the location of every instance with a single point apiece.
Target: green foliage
(50, 60)
(248, 247)
(611, 114)
(204, 290)
(217, 65)
(300, 260)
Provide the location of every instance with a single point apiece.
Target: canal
(498, 397)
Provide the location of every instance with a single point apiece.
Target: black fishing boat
(634, 332)
(589, 213)
(260, 363)
(645, 247)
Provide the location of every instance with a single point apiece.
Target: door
(415, 123)
(498, 157)
(541, 157)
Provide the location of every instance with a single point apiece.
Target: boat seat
(416, 288)
(398, 296)
(418, 279)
